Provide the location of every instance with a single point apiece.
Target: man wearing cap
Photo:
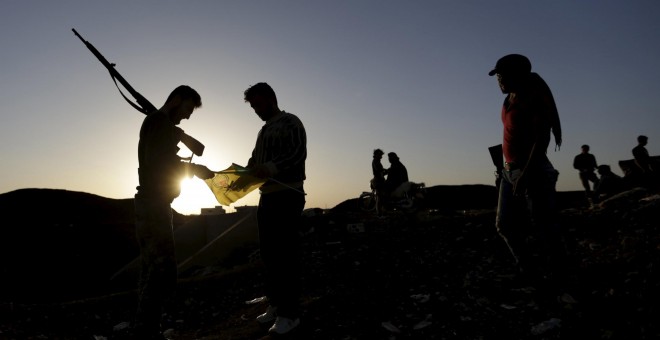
(529, 115)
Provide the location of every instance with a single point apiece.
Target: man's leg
(542, 195)
(158, 275)
(593, 179)
(509, 218)
(279, 223)
(584, 179)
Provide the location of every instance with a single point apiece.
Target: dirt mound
(421, 276)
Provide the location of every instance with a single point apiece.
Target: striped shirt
(282, 146)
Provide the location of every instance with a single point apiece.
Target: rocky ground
(425, 275)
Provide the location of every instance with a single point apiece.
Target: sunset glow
(195, 194)
(410, 78)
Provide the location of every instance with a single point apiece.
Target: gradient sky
(404, 76)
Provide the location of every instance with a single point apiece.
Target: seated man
(609, 183)
(397, 174)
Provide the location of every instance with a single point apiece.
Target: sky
(409, 77)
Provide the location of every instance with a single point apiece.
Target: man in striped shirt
(279, 156)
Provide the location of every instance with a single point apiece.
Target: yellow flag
(233, 183)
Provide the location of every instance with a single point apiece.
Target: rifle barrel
(144, 105)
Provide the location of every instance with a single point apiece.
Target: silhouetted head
(604, 169)
(512, 64)
(511, 71)
(378, 153)
(585, 148)
(263, 100)
(392, 157)
(181, 102)
(642, 140)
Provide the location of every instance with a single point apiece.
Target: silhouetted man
(529, 115)
(279, 156)
(586, 164)
(641, 155)
(160, 173)
(609, 183)
(379, 172)
(397, 174)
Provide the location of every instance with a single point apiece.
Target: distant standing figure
(529, 115)
(586, 164)
(160, 173)
(397, 174)
(279, 156)
(378, 180)
(648, 169)
(378, 170)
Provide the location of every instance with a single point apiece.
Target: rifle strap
(136, 106)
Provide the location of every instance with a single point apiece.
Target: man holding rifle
(160, 173)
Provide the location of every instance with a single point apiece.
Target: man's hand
(240, 183)
(203, 172)
(199, 171)
(261, 171)
(520, 186)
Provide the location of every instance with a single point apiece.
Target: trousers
(158, 270)
(278, 218)
(528, 222)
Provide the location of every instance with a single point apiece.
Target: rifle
(496, 156)
(143, 105)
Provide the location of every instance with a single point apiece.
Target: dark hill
(57, 206)
(452, 198)
(62, 244)
(426, 275)
(76, 240)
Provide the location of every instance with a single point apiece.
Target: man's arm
(594, 164)
(160, 151)
(541, 124)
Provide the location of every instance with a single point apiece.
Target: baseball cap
(512, 63)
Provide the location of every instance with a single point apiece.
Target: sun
(195, 194)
